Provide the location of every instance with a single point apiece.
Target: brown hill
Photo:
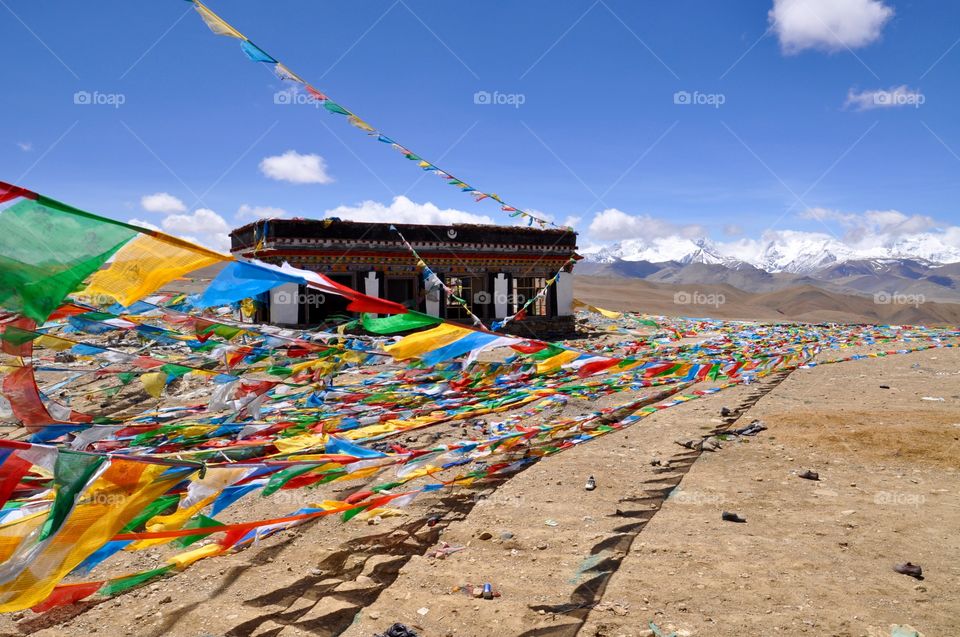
(799, 303)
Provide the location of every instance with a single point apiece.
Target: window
(463, 288)
(524, 289)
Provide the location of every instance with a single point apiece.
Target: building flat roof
(415, 233)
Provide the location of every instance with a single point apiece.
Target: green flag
(45, 253)
(71, 473)
(398, 322)
(113, 587)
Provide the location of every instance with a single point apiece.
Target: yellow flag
(153, 383)
(359, 123)
(54, 343)
(143, 265)
(215, 22)
(299, 443)
(422, 342)
(554, 362)
(183, 560)
(610, 314)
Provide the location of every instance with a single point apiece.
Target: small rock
(486, 535)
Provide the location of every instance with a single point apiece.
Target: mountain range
(906, 270)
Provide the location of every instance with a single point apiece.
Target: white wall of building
(433, 302)
(370, 285)
(285, 304)
(564, 294)
(501, 295)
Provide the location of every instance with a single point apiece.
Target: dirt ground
(813, 558)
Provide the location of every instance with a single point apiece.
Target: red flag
(10, 473)
(9, 191)
(67, 594)
(596, 366)
(21, 390)
(529, 347)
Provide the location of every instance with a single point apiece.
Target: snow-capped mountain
(658, 250)
(923, 246)
(786, 251)
(801, 254)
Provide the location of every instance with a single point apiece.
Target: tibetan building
(494, 268)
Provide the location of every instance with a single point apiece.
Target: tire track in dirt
(637, 513)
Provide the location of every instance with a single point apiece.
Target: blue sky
(813, 113)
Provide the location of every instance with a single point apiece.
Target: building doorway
(401, 290)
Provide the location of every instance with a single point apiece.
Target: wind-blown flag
(398, 322)
(45, 254)
(241, 280)
(112, 495)
(415, 345)
(144, 264)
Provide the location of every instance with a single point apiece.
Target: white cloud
(162, 202)
(296, 168)
(873, 223)
(25, 146)
(830, 25)
(145, 224)
(733, 230)
(884, 98)
(613, 224)
(204, 226)
(403, 210)
(247, 212)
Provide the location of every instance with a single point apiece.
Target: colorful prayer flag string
(219, 26)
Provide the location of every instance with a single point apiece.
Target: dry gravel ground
(814, 558)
